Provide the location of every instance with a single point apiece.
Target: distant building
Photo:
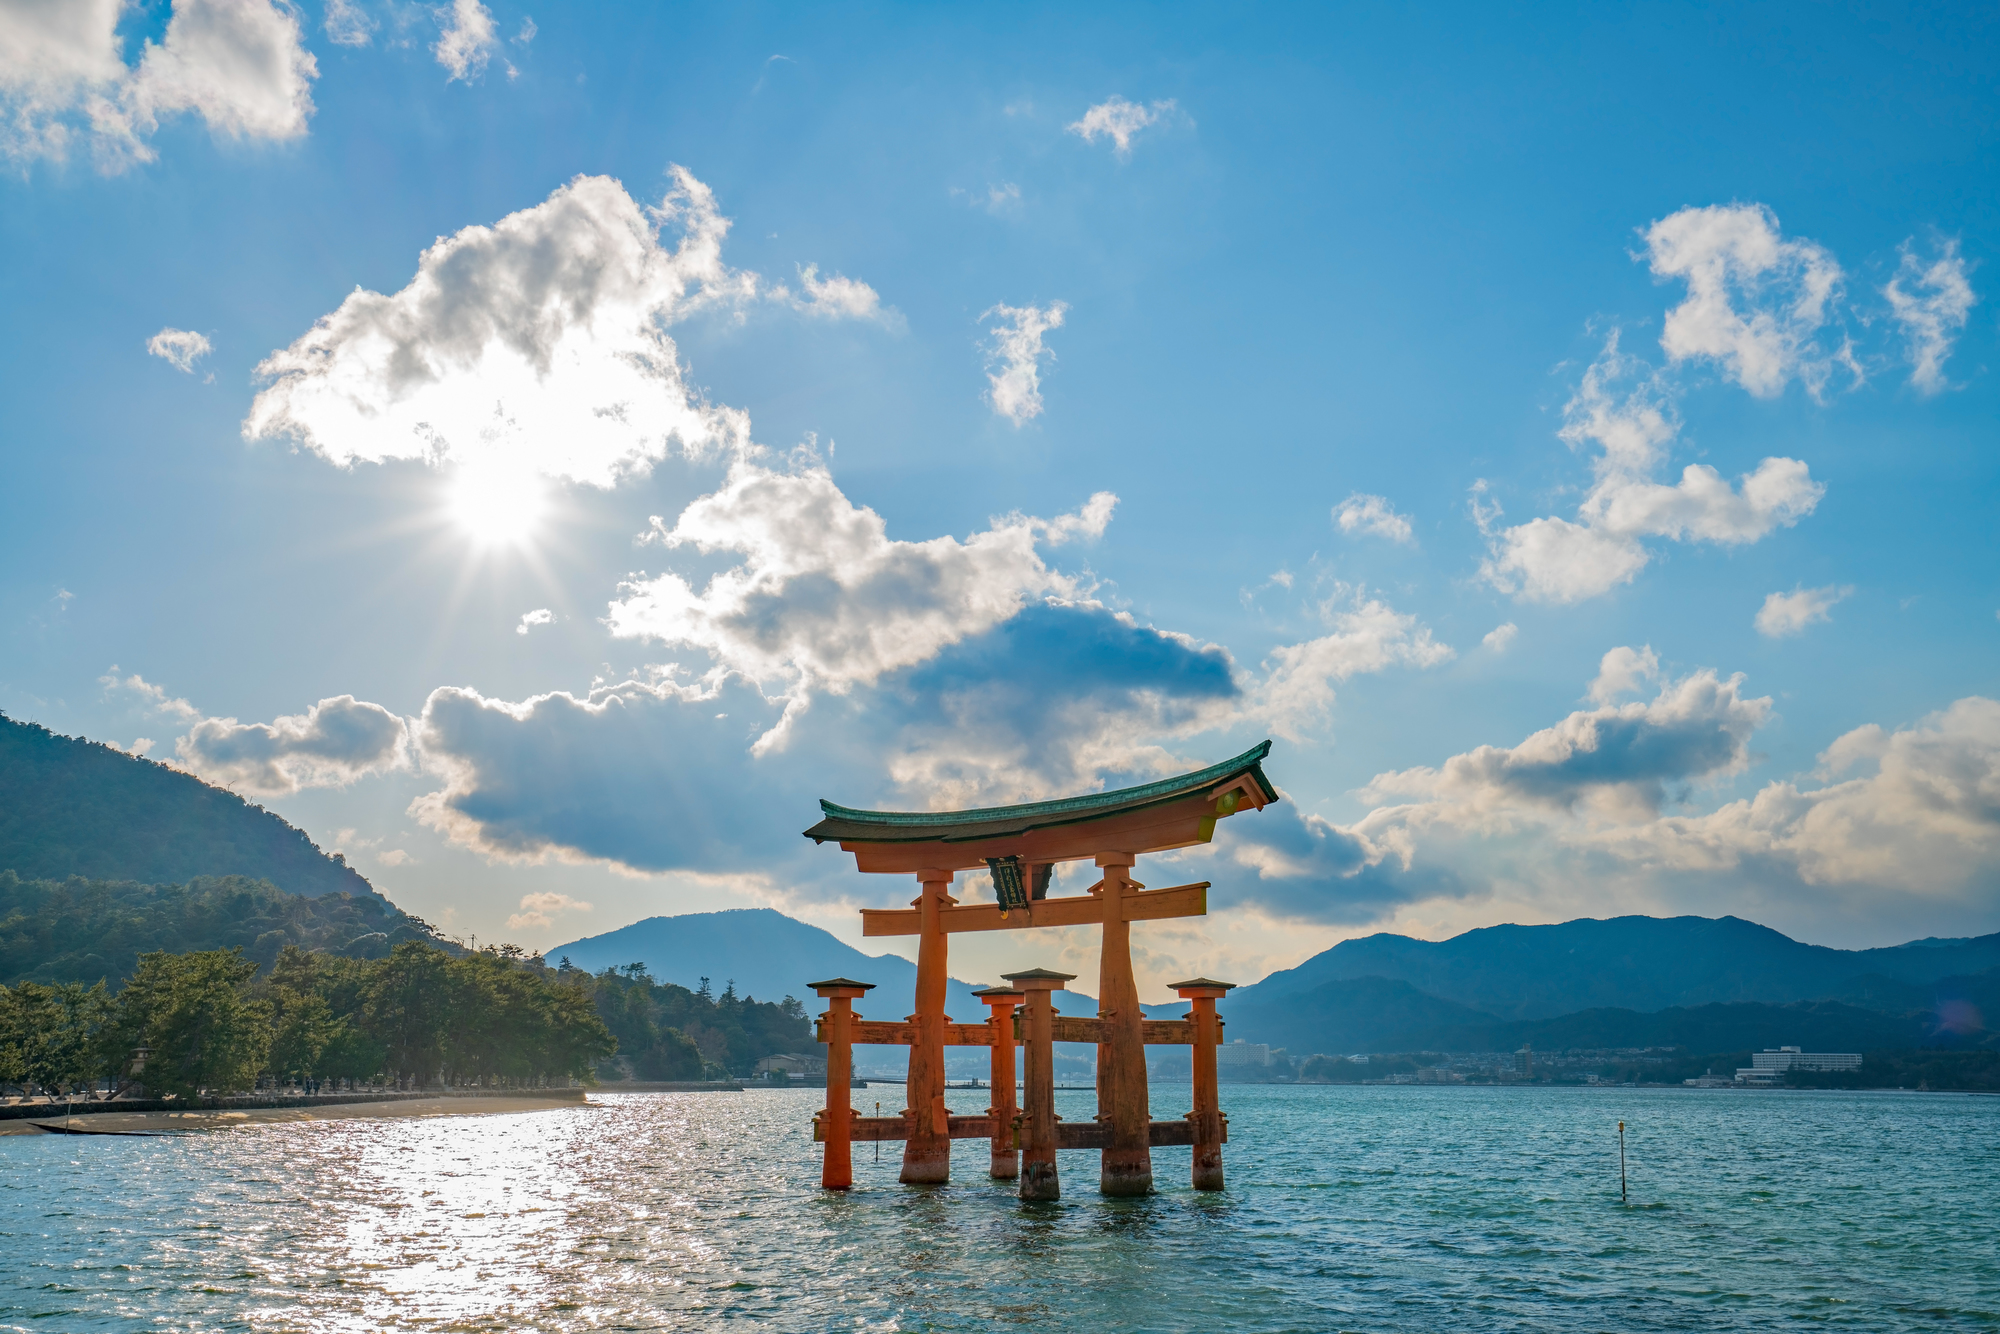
(1771, 1065)
(1240, 1055)
(794, 1063)
(1524, 1062)
(1439, 1074)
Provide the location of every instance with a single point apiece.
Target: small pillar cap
(1195, 984)
(1040, 979)
(833, 986)
(991, 994)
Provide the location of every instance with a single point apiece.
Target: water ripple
(1392, 1209)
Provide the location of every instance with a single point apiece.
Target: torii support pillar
(1038, 1103)
(1121, 1076)
(837, 1165)
(1206, 1118)
(1000, 1020)
(927, 1151)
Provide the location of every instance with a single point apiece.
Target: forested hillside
(80, 930)
(670, 1032)
(74, 807)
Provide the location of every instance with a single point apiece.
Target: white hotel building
(1768, 1067)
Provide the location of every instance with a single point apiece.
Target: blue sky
(541, 452)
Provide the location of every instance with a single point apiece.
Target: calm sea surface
(1421, 1209)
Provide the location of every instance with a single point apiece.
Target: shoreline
(225, 1118)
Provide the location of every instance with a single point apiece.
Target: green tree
(404, 1008)
(49, 1034)
(303, 1026)
(195, 1012)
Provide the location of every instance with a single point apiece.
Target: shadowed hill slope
(74, 807)
(82, 930)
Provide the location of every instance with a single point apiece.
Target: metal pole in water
(1621, 1164)
(878, 1143)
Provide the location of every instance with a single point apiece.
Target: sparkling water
(1407, 1208)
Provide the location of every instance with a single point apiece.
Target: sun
(497, 506)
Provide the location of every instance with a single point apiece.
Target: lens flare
(498, 506)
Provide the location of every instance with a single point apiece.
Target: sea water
(1395, 1208)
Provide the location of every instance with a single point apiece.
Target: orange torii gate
(1021, 845)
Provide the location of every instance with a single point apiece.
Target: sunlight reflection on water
(1378, 1209)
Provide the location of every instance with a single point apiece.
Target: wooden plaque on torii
(1021, 845)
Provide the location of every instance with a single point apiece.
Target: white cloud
(1556, 560)
(331, 744)
(1016, 352)
(1755, 300)
(527, 33)
(824, 599)
(1790, 613)
(1894, 827)
(536, 346)
(840, 297)
(539, 616)
(1002, 197)
(1926, 822)
(347, 23)
(625, 774)
(1296, 695)
(539, 911)
(467, 39)
(1372, 516)
(395, 857)
(1118, 120)
(155, 697)
(1932, 313)
(240, 64)
(180, 348)
(1622, 671)
(1500, 636)
(1613, 761)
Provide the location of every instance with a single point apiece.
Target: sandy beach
(98, 1122)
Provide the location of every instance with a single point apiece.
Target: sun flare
(498, 506)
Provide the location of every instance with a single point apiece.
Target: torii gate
(1021, 845)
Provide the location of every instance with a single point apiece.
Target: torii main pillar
(1127, 1166)
(927, 1151)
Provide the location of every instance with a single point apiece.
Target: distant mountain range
(1635, 963)
(75, 807)
(1712, 985)
(770, 956)
(1709, 984)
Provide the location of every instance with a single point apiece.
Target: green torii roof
(852, 826)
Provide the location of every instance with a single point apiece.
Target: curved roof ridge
(848, 818)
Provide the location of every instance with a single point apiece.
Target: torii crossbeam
(1021, 845)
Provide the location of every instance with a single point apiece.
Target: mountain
(769, 955)
(1374, 1014)
(80, 930)
(1363, 1014)
(75, 807)
(1633, 963)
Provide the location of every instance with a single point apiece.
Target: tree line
(212, 1021)
(205, 1022)
(668, 1032)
